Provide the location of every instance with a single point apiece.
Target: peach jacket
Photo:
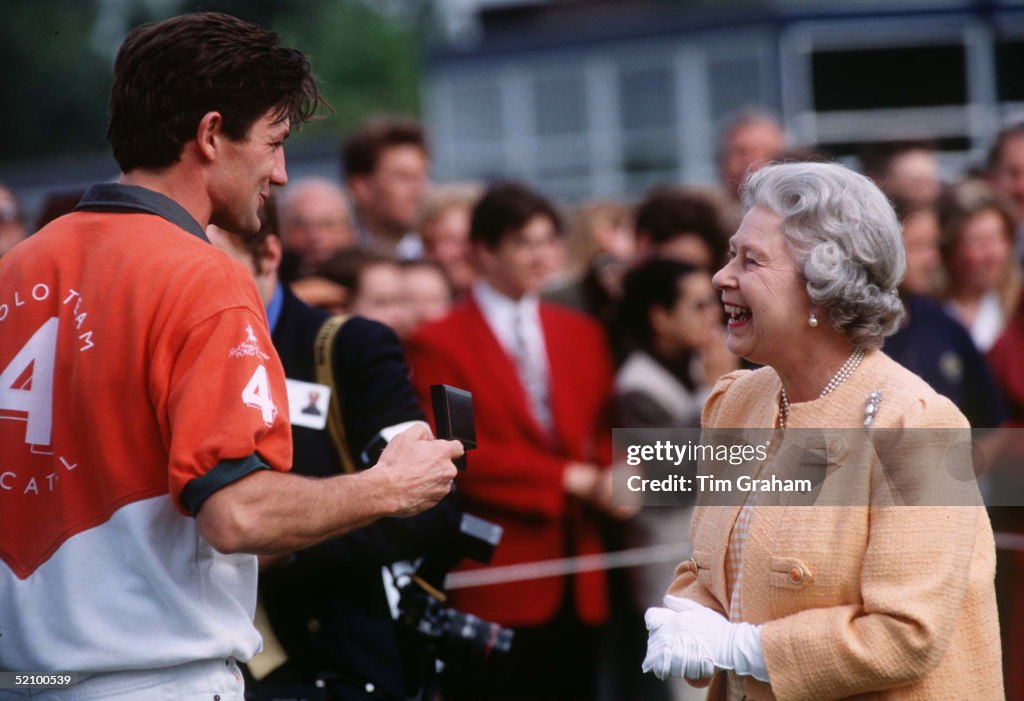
(855, 602)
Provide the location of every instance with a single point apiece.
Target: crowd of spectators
(562, 332)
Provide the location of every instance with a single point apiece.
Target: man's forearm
(270, 512)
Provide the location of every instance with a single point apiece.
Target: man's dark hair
(431, 265)
(169, 74)
(654, 283)
(669, 211)
(506, 208)
(995, 152)
(346, 267)
(361, 151)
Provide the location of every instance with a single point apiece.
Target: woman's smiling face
(763, 293)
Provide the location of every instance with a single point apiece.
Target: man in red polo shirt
(143, 412)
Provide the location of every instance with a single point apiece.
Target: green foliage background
(58, 57)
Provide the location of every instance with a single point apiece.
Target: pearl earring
(812, 321)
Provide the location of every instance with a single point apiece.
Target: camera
(456, 638)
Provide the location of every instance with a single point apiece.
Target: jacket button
(313, 625)
(796, 575)
(370, 687)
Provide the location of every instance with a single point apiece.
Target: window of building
(647, 105)
(561, 104)
(1009, 76)
(477, 111)
(864, 79)
(737, 83)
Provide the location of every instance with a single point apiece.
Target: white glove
(696, 638)
(670, 652)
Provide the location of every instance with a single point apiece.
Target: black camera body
(455, 637)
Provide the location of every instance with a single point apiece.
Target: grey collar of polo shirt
(133, 199)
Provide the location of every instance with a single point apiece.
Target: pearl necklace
(841, 376)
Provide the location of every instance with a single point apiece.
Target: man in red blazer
(541, 379)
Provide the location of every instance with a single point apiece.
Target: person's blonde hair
(958, 206)
(445, 197)
(581, 244)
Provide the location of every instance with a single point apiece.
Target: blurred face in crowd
(691, 321)
(763, 293)
(382, 296)
(12, 230)
(981, 253)
(1007, 176)
(613, 232)
(428, 294)
(913, 176)
(524, 260)
(446, 241)
(747, 148)
(688, 248)
(921, 241)
(315, 220)
(390, 197)
(241, 181)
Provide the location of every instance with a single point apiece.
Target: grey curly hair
(845, 238)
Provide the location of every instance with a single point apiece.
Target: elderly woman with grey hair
(868, 599)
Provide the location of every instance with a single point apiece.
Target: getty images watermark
(819, 467)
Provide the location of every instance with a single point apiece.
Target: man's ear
(209, 134)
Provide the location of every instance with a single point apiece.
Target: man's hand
(416, 470)
(580, 479)
(273, 513)
(627, 504)
(591, 484)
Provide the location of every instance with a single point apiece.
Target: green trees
(57, 57)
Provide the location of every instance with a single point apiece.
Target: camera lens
(472, 639)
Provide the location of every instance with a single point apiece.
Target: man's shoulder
(360, 340)
(142, 250)
(211, 274)
(359, 330)
(567, 315)
(446, 330)
(295, 313)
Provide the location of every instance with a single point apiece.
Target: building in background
(606, 97)
(603, 98)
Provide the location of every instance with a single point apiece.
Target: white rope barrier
(654, 554)
(570, 565)
(1010, 541)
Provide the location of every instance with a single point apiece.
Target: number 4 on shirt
(26, 384)
(257, 395)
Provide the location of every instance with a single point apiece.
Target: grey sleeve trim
(201, 488)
